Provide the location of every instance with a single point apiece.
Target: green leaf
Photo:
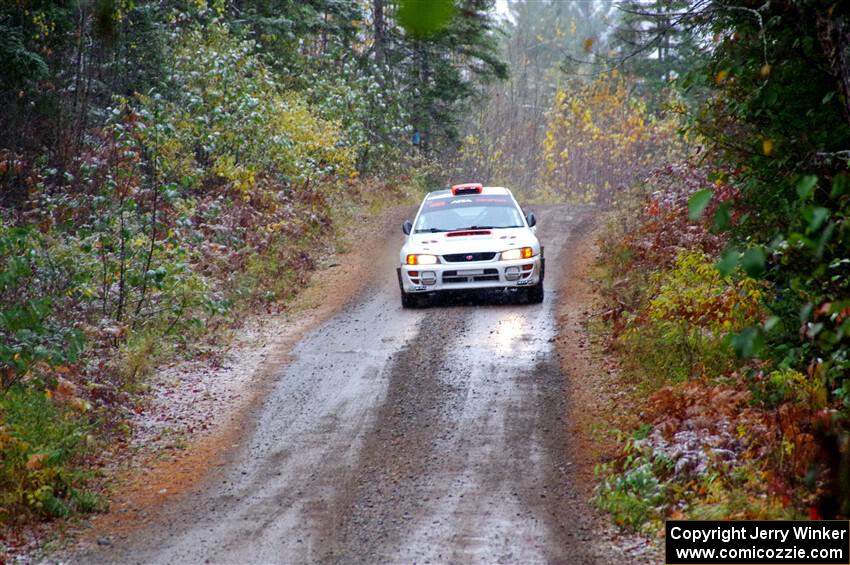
(753, 261)
(806, 186)
(824, 239)
(815, 216)
(422, 18)
(722, 216)
(748, 343)
(806, 311)
(771, 322)
(728, 262)
(840, 185)
(698, 203)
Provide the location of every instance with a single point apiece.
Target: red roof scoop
(467, 188)
(464, 233)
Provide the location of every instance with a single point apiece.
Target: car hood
(444, 243)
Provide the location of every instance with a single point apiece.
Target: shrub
(235, 122)
(632, 495)
(682, 330)
(33, 290)
(788, 385)
(43, 444)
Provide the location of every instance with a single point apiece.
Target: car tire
(409, 300)
(534, 294)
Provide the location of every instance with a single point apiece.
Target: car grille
(451, 277)
(464, 257)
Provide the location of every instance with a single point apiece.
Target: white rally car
(468, 238)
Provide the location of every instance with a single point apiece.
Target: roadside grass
(138, 357)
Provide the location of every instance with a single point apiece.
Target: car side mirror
(532, 221)
(407, 227)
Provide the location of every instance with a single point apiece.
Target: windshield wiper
(476, 228)
(432, 230)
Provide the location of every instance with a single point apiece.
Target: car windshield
(468, 212)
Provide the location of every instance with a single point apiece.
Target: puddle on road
(518, 331)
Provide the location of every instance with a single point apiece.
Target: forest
(168, 168)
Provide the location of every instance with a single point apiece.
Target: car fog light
(429, 277)
(512, 273)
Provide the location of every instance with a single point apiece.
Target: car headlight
(421, 259)
(519, 253)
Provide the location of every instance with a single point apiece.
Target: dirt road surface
(437, 435)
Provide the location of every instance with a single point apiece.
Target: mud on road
(438, 435)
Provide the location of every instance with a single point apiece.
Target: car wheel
(409, 300)
(535, 293)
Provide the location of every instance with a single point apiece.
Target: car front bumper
(521, 273)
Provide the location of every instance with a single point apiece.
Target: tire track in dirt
(391, 480)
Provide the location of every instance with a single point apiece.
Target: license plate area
(470, 272)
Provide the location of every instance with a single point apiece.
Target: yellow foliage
(241, 177)
(797, 387)
(695, 292)
(600, 136)
(681, 332)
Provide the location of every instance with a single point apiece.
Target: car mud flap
(398, 274)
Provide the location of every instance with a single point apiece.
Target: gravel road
(436, 435)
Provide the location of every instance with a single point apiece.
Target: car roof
(447, 193)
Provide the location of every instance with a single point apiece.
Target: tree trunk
(379, 31)
(834, 36)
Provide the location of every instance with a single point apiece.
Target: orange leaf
(36, 461)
